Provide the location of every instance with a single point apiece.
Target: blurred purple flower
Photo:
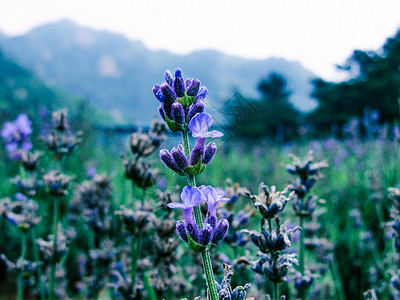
(330, 144)
(43, 112)
(16, 136)
(20, 197)
(315, 146)
(91, 172)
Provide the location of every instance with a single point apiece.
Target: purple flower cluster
(201, 154)
(16, 136)
(180, 99)
(213, 231)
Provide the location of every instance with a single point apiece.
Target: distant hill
(116, 74)
(23, 92)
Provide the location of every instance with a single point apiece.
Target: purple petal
(26, 146)
(8, 131)
(176, 205)
(214, 134)
(200, 124)
(191, 196)
(213, 195)
(12, 147)
(202, 93)
(23, 124)
(20, 197)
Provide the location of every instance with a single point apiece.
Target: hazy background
(318, 34)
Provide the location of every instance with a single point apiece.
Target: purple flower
(18, 130)
(191, 197)
(200, 124)
(16, 136)
(91, 172)
(20, 197)
(213, 196)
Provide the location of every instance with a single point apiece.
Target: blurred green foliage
(374, 84)
(274, 115)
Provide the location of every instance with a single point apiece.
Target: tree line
(373, 86)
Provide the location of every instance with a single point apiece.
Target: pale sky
(317, 33)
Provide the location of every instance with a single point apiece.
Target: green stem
(148, 287)
(336, 278)
(135, 256)
(301, 251)
(24, 247)
(210, 279)
(133, 191)
(270, 225)
(39, 267)
(275, 291)
(143, 197)
(205, 255)
(53, 261)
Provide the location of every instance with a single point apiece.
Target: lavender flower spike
(200, 124)
(213, 196)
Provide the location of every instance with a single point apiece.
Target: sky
(319, 34)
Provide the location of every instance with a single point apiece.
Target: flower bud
(193, 88)
(179, 83)
(155, 89)
(168, 160)
(179, 157)
(168, 77)
(168, 93)
(197, 107)
(220, 231)
(279, 242)
(395, 282)
(212, 220)
(197, 154)
(209, 153)
(167, 109)
(188, 81)
(239, 293)
(257, 266)
(160, 96)
(178, 113)
(302, 283)
(161, 112)
(181, 230)
(193, 231)
(205, 235)
(255, 238)
(202, 93)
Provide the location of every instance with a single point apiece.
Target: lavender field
(183, 209)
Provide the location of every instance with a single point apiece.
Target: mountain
(117, 74)
(21, 91)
